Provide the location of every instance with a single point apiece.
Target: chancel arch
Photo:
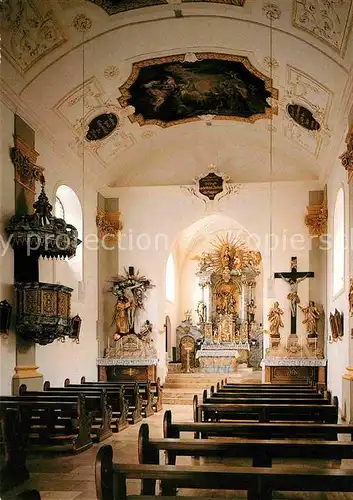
(221, 286)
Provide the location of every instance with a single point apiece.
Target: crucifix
(293, 278)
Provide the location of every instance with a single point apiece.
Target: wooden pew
(266, 412)
(14, 470)
(122, 410)
(269, 393)
(258, 482)
(97, 405)
(255, 430)
(131, 394)
(261, 451)
(144, 401)
(29, 495)
(147, 387)
(47, 416)
(269, 384)
(267, 387)
(253, 399)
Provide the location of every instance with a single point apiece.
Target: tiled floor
(72, 477)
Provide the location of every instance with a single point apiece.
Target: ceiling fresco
(170, 90)
(115, 6)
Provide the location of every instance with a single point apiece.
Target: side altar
(132, 358)
(296, 358)
(227, 330)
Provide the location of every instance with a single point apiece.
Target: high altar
(228, 329)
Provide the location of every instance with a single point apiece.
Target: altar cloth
(126, 362)
(218, 360)
(293, 362)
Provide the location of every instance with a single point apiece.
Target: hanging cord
(271, 145)
(83, 144)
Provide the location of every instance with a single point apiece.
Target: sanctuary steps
(179, 388)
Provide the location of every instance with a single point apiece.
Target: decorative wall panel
(304, 90)
(28, 32)
(328, 20)
(96, 104)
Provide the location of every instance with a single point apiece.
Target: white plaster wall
(337, 353)
(7, 206)
(60, 360)
(57, 360)
(154, 217)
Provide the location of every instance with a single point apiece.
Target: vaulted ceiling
(72, 66)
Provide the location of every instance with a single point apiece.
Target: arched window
(170, 279)
(59, 208)
(68, 207)
(338, 243)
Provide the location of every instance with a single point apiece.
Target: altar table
(127, 369)
(220, 359)
(295, 371)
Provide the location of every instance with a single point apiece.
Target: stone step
(180, 388)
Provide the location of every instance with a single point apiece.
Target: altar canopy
(227, 276)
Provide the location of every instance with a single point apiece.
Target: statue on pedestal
(130, 290)
(311, 317)
(275, 320)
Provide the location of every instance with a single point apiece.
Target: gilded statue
(226, 257)
(275, 320)
(120, 316)
(130, 290)
(311, 317)
(350, 297)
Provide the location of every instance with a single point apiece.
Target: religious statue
(251, 311)
(226, 258)
(275, 320)
(130, 290)
(188, 316)
(120, 316)
(350, 297)
(293, 279)
(201, 311)
(311, 317)
(145, 330)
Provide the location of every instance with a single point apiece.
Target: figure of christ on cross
(293, 278)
